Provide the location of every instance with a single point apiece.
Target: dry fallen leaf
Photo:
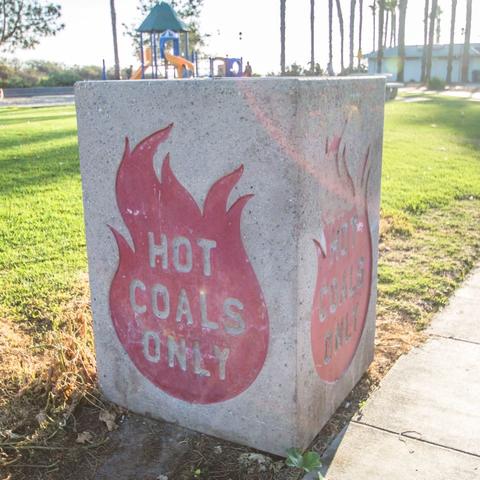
(109, 419)
(41, 417)
(84, 437)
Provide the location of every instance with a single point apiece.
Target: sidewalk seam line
(438, 335)
(386, 430)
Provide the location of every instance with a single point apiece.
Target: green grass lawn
(430, 199)
(431, 154)
(430, 204)
(42, 245)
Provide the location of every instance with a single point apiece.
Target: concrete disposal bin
(232, 233)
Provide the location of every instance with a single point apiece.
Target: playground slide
(179, 63)
(137, 75)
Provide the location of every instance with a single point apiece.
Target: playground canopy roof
(162, 17)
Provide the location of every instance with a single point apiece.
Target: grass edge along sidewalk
(430, 200)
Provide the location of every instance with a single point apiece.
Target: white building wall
(413, 68)
(474, 66)
(439, 68)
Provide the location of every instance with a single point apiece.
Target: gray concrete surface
(369, 453)
(461, 318)
(424, 421)
(278, 128)
(433, 393)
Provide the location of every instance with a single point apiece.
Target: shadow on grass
(38, 169)
(29, 119)
(9, 141)
(457, 115)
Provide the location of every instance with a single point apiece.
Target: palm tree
(425, 38)
(387, 17)
(352, 33)
(360, 28)
(438, 26)
(401, 39)
(330, 33)
(115, 43)
(340, 22)
(312, 36)
(452, 42)
(381, 16)
(373, 8)
(283, 8)
(466, 45)
(393, 29)
(431, 33)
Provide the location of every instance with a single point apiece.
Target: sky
(87, 37)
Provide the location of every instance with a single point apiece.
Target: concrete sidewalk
(424, 421)
(39, 101)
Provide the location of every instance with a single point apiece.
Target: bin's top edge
(363, 78)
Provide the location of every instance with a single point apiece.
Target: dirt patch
(45, 376)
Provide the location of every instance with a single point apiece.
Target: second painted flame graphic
(342, 292)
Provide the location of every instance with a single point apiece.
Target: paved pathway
(37, 101)
(424, 421)
(471, 92)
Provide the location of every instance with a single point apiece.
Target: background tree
(402, 7)
(187, 10)
(386, 12)
(452, 42)
(115, 43)
(373, 8)
(393, 5)
(438, 24)
(312, 36)
(40, 73)
(342, 36)
(466, 45)
(24, 22)
(425, 38)
(283, 8)
(381, 18)
(431, 34)
(352, 34)
(330, 34)
(360, 31)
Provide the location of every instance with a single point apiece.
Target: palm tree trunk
(387, 17)
(283, 8)
(360, 28)
(401, 39)
(425, 39)
(452, 42)
(352, 34)
(312, 36)
(393, 28)
(431, 34)
(374, 15)
(115, 43)
(466, 45)
(438, 25)
(342, 37)
(330, 33)
(381, 17)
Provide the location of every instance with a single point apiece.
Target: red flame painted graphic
(342, 292)
(185, 301)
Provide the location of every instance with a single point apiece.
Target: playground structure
(164, 29)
